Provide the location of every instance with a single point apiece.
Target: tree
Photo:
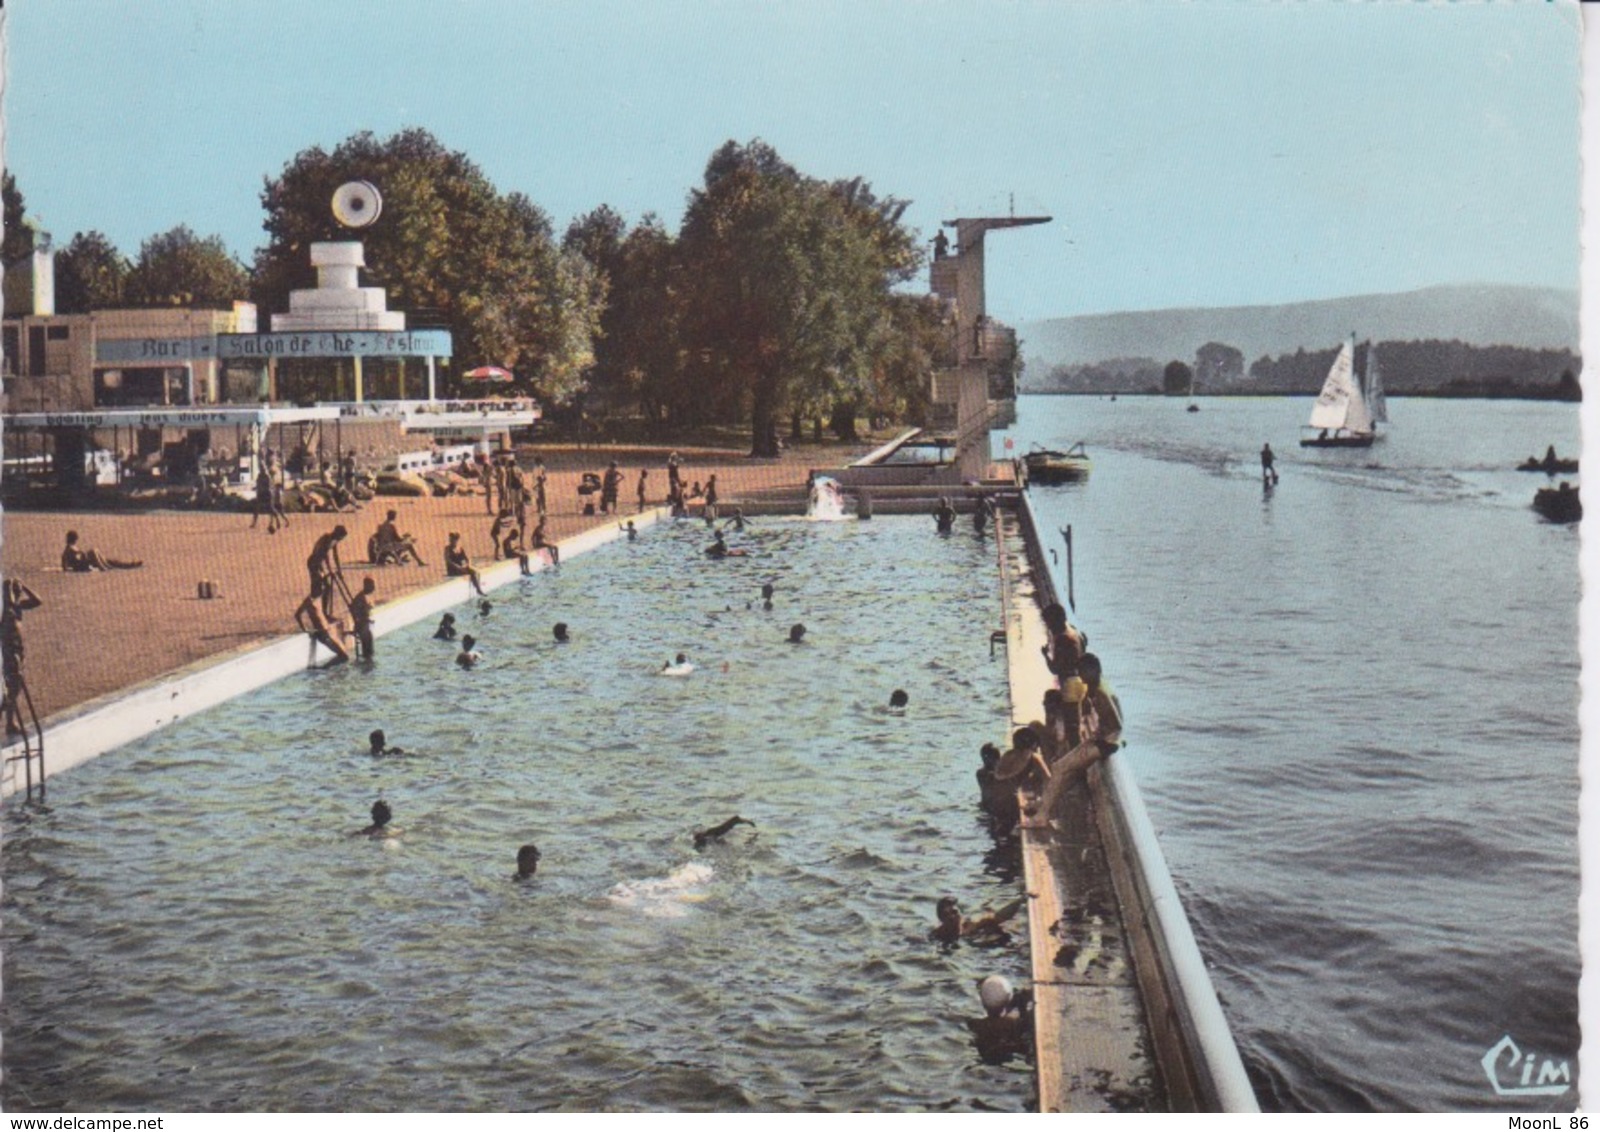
(90, 275)
(447, 240)
(179, 269)
(790, 276)
(18, 239)
(1175, 379)
(1216, 365)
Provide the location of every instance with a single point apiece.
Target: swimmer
(447, 628)
(737, 521)
(898, 698)
(468, 656)
(797, 633)
(379, 748)
(633, 535)
(1006, 1029)
(719, 548)
(484, 608)
(678, 667)
(715, 832)
(527, 861)
(560, 632)
(380, 826)
(953, 927)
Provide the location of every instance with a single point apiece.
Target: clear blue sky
(1192, 154)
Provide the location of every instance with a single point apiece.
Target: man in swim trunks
(610, 486)
(361, 617)
(324, 568)
(644, 474)
(389, 542)
(18, 599)
(539, 484)
(540, 542)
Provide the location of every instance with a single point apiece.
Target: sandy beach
(102, 633)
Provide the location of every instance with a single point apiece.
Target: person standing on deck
(324, 568)
(263, 503)
(19, 599)
(539, 484)
(516, 493)
(1269, 474)
(644, 474)
(674, 474)
(610, 488)
(710, 509)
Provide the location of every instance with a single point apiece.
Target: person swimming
(379, 745)
(898, 698)
(633, 535)
(766, 595)
(447, 628)
(719, 548)
(952, 926)
(560, 632)
(527, 861)
(797, 633)
(678, 667)
(716, 832)
(484, 608)
(380, 827)
(1006, 1029)
(468, 656)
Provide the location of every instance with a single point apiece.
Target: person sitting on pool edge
(1099, 734)
(380, 827)
(458, 565)
(527, 862)
(953, 927)
(468, 656)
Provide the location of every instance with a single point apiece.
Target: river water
(1352, 707)
(188, 927)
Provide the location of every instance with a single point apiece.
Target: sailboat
(1348, 408)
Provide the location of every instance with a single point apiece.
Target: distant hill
(1487, 314)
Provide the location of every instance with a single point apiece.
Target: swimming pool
(188, 926)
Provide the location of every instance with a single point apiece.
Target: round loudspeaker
(356, 204)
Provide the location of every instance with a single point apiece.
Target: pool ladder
(32, 745)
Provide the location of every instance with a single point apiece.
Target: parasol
(489, 373)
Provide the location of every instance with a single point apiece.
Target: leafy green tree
(448, 241)
(1217, 364)
(18, 239)
(790, 276)
(180, 269)
(1175, 379)
(90, 275)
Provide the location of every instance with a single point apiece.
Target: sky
(1194, 154)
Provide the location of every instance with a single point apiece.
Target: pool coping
(84, 732)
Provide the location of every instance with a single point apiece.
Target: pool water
(188, 926)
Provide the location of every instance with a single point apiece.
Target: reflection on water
(1352, 708)
(189, 927)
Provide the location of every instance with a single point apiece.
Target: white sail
(1333, 403)
(1375, 401)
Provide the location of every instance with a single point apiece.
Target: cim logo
(1517, 1074)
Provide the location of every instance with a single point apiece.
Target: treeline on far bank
(1422, 368)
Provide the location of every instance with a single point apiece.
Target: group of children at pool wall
(1082, 724)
